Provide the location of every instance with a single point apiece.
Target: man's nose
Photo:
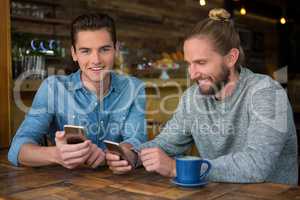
(96, 58)
(193, 71)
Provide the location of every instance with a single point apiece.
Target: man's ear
(232, 57)
(74, 56)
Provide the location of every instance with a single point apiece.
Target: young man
(108, 105)
(240, 121)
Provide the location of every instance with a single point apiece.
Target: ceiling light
(243, 11)
(282, 20)
(202, 2)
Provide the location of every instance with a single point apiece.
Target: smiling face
(95, 52)
(205, 65)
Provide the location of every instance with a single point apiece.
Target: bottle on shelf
(29, 56)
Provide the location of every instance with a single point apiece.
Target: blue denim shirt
(61, 100)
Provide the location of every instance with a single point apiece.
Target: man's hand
(117, 165)
(71, 155)
(156, 160)
(97, 156)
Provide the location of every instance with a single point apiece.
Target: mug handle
(207, 170)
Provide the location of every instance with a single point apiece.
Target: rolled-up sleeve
(36, 122)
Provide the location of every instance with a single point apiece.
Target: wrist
(54, 155)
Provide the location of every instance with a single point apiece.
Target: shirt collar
(77, 83)
(76, 80)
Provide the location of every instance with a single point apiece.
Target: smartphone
(115, 148)
(74, 134)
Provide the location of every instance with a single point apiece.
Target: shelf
(42, 33)
(45, 20)
(46, 3)
(33, 85)
(54, 58)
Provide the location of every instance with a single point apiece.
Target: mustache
(200, 78)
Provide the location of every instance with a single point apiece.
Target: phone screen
(74, 134)
(113, 147)
(124, 154)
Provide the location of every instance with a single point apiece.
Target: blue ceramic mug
(188, 169)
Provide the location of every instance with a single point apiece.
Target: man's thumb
(60, 135)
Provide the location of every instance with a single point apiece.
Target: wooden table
(55, 182)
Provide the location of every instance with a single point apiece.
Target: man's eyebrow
(105, 46)
(102, 47)
(197, 60)
(83, 48)
(200, 60)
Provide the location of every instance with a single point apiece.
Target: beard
(218, 82)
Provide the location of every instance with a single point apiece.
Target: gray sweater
(248, 137)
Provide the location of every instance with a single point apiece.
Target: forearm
(241, 167)
(168, 144)
(34, 155)
(174, 139)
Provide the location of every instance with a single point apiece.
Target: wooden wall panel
(5, 74)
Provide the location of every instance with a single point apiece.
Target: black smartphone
(74, 134)
(124, 154)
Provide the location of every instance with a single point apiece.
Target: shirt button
(96, 104)
(73, 116)
(101, 121)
